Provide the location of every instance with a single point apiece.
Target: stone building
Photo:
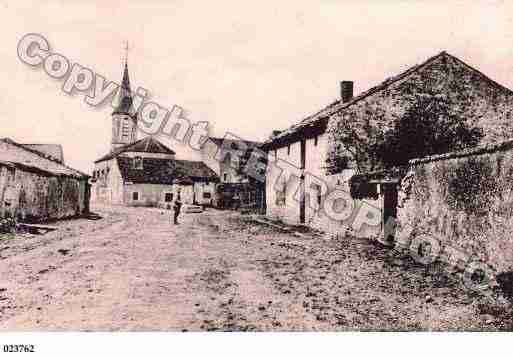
(332, 145)
(228, 158)
(35, 187)
(145, 172)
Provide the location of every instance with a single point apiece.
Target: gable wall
(481, 103)
(108, 189)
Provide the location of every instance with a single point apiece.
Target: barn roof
(147, 145)
(26, 158)
(317, 123)
(53, 150)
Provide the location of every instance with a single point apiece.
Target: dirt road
(134, 270)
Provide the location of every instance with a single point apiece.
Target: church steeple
(124, 118)
(125, 94)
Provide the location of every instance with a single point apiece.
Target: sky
(244, 67)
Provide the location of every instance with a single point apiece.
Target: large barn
(36, 186)
(332, 145)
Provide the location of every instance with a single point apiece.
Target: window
(316, 140)
(135, 196)
(207, 195)
(225, 177)
(11, 174)
(288, 150)
(137, 163)
(227, 159)
(168, 197)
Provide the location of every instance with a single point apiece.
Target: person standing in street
(176, 208)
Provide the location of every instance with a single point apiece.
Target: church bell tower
(124, 118)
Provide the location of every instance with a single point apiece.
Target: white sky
(245, 68)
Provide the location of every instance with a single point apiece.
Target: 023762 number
(18, 348)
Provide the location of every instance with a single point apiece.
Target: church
(145, 172)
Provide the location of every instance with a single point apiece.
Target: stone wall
(464, 202)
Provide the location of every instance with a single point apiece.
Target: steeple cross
(126, 52)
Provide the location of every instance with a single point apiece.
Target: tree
(432, 125)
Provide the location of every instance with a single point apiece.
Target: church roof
(125, 94)
(165, 171)
(147, 145)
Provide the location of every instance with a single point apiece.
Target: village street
(219, 270)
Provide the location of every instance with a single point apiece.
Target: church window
(138, 163)
(125, 129)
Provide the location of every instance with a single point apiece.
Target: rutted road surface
(134, 270)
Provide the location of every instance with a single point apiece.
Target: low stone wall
(462, 205)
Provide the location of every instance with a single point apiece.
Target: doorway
(390, 201)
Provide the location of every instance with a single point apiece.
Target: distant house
(35, 186)
(145, 172)
(228, 158)
(331, 144)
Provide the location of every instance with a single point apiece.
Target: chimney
(346, 90)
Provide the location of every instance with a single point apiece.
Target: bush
(7, 225)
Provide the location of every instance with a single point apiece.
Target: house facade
(333, 145)
(146, 173)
